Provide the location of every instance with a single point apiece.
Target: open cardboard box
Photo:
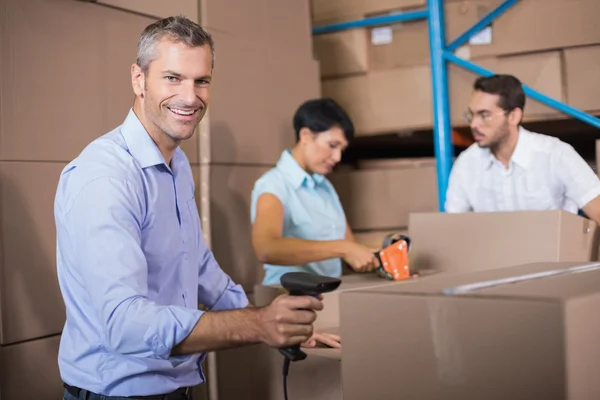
(524, 332)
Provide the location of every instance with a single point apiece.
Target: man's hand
(288, 320)
(328, 339)
(359, 257)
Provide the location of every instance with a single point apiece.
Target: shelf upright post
(442, 130)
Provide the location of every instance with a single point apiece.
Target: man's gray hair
(177, 28)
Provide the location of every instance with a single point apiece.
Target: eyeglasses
(485, 116)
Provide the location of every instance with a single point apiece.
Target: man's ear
(516, 116)
(306, 135)
(137, 80)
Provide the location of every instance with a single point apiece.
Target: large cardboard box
(385, 101)
(582, 80)
(384, 198)
(29, 370)
(445, 242)
(55, 124)
(258, 368)
(535, 25)
(31, 305)
(524, 332)
(331, 11)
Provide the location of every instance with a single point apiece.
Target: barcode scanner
(303, 284)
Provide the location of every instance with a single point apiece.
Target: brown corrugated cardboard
(228, 196)
(385, 101)
(251, 112)
(342, 53)
(540, 71)
(383, 198)
(435, 338)
(531, 25)
(354, 51)
(328, 11)
(445, 242)
(403, 162)
(157, 8)
(582, 78)
(68, 114)
(30, 370)
(32, 305)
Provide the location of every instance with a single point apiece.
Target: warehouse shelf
(441, 55)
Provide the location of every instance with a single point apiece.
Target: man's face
(174, 93)
(489, 123)
(324, 150)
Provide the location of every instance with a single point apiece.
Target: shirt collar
(295, 174)
(141, 146)
(521, 155)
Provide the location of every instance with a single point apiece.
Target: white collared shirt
(544, 173)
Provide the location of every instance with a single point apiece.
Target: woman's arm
(271, 248)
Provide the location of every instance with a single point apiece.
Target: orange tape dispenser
(393, 257)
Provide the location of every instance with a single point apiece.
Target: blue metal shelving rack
(441, 54)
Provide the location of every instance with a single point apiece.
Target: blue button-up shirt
(133, 267)
(312, 211)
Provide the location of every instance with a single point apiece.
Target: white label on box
(381, 35)
(483, 37)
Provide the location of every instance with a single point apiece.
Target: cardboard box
(30, 370)
(385, 101)
(331, 11)
(398, 45)
(445, 242)
(410, 40)
(439, 338)
(582, 79)
(342, 53)
(55, 124)
(541, 71)
(383, 198)
(31, 302)
(225, 213)
(535, 25)
(258, 368)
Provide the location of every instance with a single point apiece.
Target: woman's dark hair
(320, 115)
(507, 87)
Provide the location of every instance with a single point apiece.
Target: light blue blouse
(312, 211)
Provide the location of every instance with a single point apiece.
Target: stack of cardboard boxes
(382, 75)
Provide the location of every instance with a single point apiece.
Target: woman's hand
(328, 339)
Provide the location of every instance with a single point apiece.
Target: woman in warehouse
(298, 223)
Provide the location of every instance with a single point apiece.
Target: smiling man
(510, 168)
(132, 263)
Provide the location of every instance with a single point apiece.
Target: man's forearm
(291, 251)
(218, 330)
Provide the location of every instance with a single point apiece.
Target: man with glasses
(510, 168)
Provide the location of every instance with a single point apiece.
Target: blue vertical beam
(444, 151)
